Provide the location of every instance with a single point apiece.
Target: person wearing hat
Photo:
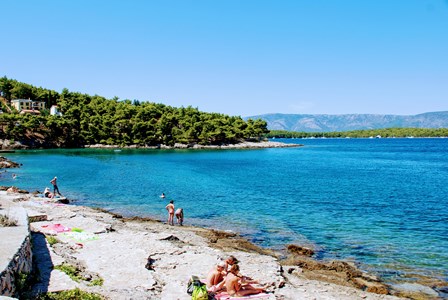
(55, 186)
(215, 279)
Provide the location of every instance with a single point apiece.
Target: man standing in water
(55, 186)
(170, 209)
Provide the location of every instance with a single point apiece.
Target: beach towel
(80, 237)
(226, 296)
(55, 228)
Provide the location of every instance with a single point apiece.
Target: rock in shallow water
(416, 288)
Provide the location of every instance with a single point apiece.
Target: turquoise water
(379, 202)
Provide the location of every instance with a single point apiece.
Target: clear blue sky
(244, 57)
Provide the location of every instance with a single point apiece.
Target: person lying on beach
(180, 216)
(170, 209)
(48, 194)
(215, 279)
(236, 286)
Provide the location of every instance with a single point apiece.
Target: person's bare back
(232, 285)
(179, 216)
(215, 279)
(235, 288)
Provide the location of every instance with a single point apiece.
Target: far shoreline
(7, 147)
(243, 145)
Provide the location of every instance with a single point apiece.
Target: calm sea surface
(379, 202)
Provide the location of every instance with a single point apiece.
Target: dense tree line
(94, 119)
(385, 133)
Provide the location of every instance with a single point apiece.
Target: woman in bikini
(235, 285)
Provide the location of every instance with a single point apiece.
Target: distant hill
(347, 122)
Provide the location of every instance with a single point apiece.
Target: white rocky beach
(122, 258)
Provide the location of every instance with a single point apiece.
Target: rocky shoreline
(146, 259)
(195, 249)
(7, 145)
(242, 145)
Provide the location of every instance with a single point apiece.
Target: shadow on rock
(42, 264)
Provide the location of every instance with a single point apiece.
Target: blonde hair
(234, 268)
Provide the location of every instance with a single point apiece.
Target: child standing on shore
(170, 209)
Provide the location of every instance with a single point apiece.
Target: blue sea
(381, 203)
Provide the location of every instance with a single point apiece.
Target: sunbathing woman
(235, 285)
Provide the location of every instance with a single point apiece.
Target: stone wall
(16, 257)
(15, 274)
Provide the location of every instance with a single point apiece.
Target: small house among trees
(54, 111)
(27, 105)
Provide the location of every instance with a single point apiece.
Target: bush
(97, 282)
(75, 294)
(70, 270)
(52, 240)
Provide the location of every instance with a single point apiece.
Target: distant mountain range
(347, 122)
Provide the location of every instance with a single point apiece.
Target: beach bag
(199, 293)
(193, 282)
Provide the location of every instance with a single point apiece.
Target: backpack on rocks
(197, 289)
(200, 293)
(192, 282)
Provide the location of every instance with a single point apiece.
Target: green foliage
(96, 282)
(74, 274)
(75, 294)
(70, 270)
(21, 280)
(384, 133)
(52, 240)
(94, 119)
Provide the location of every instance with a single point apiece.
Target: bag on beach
(199, 293)
(193, 282)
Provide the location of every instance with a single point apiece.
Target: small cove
(380, 202)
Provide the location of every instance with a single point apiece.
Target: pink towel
(57, 228)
